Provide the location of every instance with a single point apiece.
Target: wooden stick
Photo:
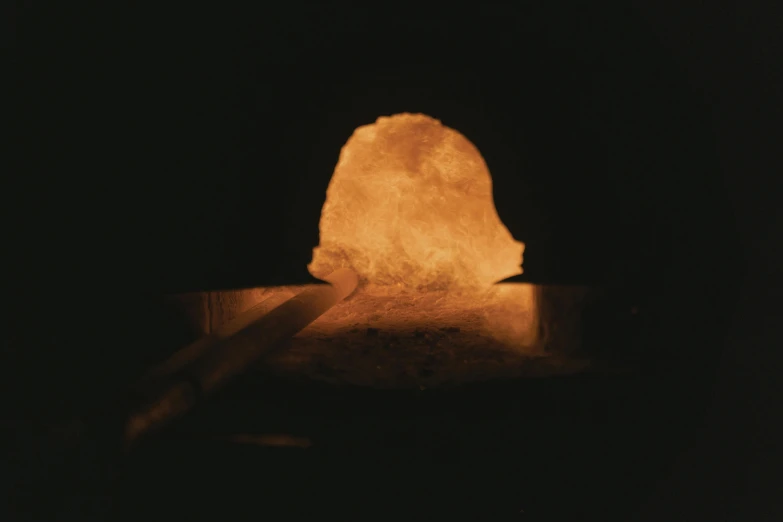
(220, 362)
(285, 321)
(188, 355)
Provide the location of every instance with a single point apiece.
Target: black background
(200, 143)
(182, 150)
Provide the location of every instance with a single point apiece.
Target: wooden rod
(220, 362)
(183, 358)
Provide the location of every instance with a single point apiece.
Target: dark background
(632, 146)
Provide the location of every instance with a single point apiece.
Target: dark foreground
(571, 448)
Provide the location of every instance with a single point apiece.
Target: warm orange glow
(410, 205)
(410, 209)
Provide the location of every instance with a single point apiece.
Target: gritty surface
(412, 358)
(427, 340)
